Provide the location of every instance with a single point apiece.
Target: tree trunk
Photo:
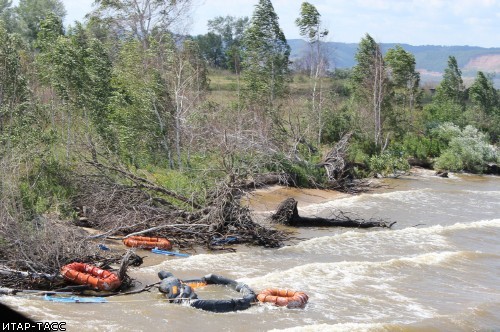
(287, 214)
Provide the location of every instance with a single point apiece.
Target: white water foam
(346, 273)
(379, 245)
(239, 264)
(377, 287)
(368, 201)
(388, 243)
(492, 223)
(343, 327)
(489, 193)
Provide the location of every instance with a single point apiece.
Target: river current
(437, 269)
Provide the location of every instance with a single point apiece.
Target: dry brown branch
(146, 184)
(116, 208)
(178, 226)
(334, 161)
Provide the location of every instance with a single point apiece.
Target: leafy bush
(305, 173)
(418, 146)
(388, 163)
(337, 124)
(468, 149)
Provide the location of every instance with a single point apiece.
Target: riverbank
(437, 276)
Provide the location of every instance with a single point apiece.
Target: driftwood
(5, 271)
(23, 279)
(287, 214)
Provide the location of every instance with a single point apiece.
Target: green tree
(5, 5)
(265, 57)
(309, 23)
(32, 12)
(141, 18)
(448, 104)
(13, 89)
(7, 15)
(405, 82)
(466, 149)
(78, 69)
(156, 93)
(311, 28)
(485, 108)
(212, 50)
(370, 84)
(137, 119)
(483, 94)
(231, 29)
(452, 86)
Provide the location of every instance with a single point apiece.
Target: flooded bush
(467, 149)
(388, 163)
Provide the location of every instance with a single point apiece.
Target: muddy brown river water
(437, 269)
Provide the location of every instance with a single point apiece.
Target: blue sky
(416, 22)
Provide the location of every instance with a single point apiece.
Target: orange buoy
(86, 274)
(283, 297)
(147, 242)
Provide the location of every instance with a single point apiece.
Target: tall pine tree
(265, 56)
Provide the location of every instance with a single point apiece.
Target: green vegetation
(466, 149)
(124, 91)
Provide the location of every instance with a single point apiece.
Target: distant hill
(431, 60)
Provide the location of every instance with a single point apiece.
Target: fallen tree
(120, 203)
(340, 171)
(287, 214)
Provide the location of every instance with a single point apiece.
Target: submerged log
(442, 174)
(287, 214)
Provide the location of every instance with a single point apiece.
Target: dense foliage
(186, 112)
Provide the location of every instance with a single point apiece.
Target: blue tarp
(75, 299)
(170, 253)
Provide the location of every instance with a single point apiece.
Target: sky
(415, 22)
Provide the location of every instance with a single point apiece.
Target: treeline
(129, 88)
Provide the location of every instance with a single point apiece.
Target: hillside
(431, 60)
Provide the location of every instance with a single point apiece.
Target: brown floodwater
(437, 269)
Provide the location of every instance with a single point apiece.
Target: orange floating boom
(283, 297)
(147, 242)
(86, 274)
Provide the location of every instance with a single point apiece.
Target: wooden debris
(287, 214)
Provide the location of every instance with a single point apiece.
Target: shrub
(467, 149)
(419, 147)
(388, 163)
